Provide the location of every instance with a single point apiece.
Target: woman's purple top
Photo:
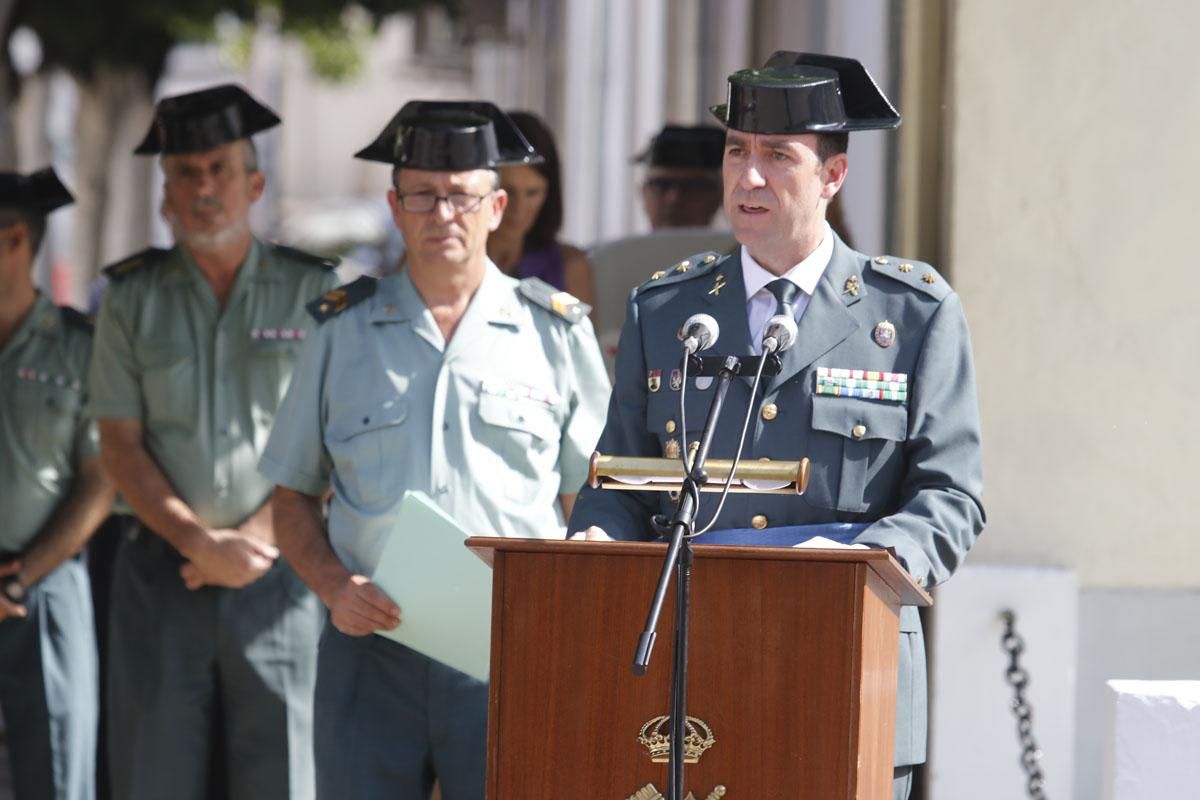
(546, 264)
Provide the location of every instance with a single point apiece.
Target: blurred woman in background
(526, 243)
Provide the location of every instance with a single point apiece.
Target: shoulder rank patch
(308, 259)
(916, 274)
(688, 268)
(335, 301)
(126, 267)
(564, 304)
(74, 318)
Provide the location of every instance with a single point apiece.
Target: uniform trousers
(188, 669)
(390, 720)
(49, 689)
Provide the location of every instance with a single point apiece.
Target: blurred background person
(53, 494)
(213, 638)
(526, 243)
(682, 184)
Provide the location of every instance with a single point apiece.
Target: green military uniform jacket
(899, 450)
(493, 425)
(205, 380)
(43, 372)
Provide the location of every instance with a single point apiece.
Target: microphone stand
(679, 559)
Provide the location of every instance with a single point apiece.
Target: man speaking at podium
(877, 388)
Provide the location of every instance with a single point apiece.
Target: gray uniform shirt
(205, 380)
(43, 432)
(493, 425)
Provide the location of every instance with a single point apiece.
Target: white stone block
(973, 748)
(1152, 740)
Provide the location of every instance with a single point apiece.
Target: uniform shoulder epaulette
(74, 318)
(555, 300)
(309, 259)
(690, 267)
(126, 267)
(916, 274)
(335, 301)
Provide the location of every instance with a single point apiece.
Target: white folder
(443, 589)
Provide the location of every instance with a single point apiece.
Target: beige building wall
(1072, 221)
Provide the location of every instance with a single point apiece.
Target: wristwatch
(13, 589)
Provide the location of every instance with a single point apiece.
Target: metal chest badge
(676, 380)
(654, 380)
(884, 334)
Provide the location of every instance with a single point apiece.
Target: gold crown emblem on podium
(656, 736)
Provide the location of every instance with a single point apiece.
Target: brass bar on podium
(639, 474)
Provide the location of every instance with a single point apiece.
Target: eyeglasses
(424, 202)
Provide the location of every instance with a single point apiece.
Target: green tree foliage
(79, 35)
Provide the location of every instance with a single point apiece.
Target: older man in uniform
(878, 389)
(213, 637)
(54, 494)
(450, 378)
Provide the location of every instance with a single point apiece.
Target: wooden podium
(792, 671)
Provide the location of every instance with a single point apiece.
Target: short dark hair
(832, 144)
(34, 223)
(544, 231)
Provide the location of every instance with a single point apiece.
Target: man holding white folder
(449, 378)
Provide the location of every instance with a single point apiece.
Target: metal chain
(1018, 678)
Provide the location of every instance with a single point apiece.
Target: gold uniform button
(881, 260)
(858, 431)
(758, 521)
(770, 411)
(670, 426)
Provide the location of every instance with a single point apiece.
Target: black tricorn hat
(37, 193)
(805, 93)
(189, 123)
(690, 147)
(448, 136)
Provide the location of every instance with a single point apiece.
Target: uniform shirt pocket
(169, 383)
(270, 366)
(362, 441)
(525, 434)
(49, 414)
(866, 439)
(663, 418)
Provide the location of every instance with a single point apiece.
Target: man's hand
(360, 607)
(229, 559)
(7, 607)
(592, 534)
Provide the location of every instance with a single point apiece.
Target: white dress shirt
(761, 304)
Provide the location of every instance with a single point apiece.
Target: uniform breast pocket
(169, 383)
(271, 362)
(48, 414)
(857, 449)
(524, 433)
(362, 440)
(665, 422)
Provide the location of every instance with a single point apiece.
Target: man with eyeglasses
(450, 378)
(213, 638)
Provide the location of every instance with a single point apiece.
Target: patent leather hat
(688, 147)
(190, 123)
(450, 136)
(37, 193)
(805, 93)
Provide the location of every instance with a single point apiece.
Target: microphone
(779, 334)
(699, 332)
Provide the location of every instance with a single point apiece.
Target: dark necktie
(785, 293)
